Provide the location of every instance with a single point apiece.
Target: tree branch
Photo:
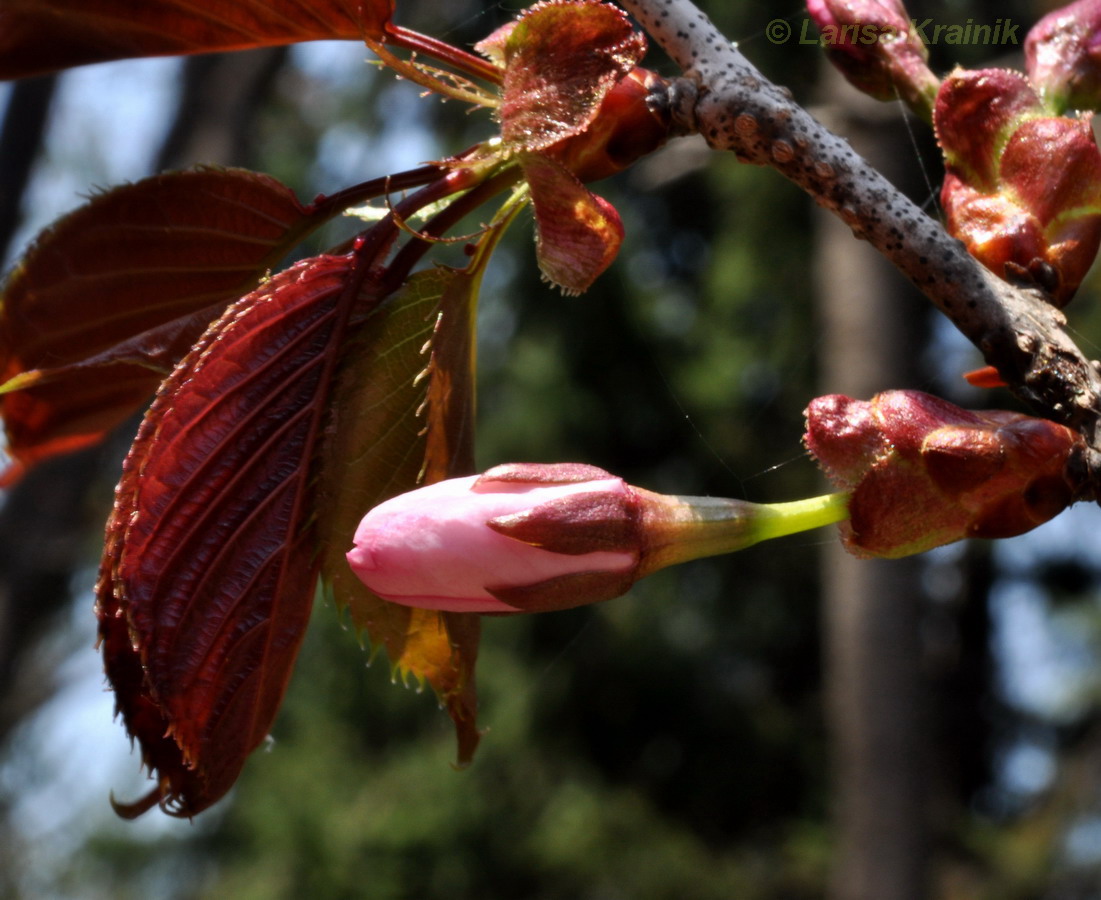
(727, 100)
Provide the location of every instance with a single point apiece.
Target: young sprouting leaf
(115, 293)
(210, 561)
(403, 411)
(577, 233)
(39, 36)
(574, 108)
(560, 59)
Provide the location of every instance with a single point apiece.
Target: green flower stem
(778, 519)
(679, 529)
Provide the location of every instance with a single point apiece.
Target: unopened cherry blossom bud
(529, 537)
(923, 472)
(874, 45)
(1063, 56)
(1022, 188)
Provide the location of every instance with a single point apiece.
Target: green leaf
(403, 412)
(404, 415)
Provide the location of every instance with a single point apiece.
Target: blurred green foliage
(669, 744)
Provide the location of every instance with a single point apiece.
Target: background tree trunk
(872, 328)
(21, 133)
(220, 95)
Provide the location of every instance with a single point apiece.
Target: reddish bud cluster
(1063, 56)
(923, 472)
(873, 44)
(1023, 184)
(1022, 188)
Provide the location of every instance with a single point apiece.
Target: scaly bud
(527, 537)
(1063, 56)
(1022, 188)
(873, 44)
(631, 123)
(923, 472)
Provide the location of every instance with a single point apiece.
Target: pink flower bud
(1063, 56)
(872, 43)
(530, 537)
(1022, 188)
(479, 544)
(923, 472)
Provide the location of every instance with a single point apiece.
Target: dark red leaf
(210, 562)
(44, 35)
(114, 294)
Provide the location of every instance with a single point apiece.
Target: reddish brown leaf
(209, 568)
(57, 418)
(44, 35)
(577, 233)
(560, 59)
(111, 296)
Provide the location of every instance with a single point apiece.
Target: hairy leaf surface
(577, 233)
(114, 294)
(210, 563)
(44, 35)
(403, 413)
(560, 60)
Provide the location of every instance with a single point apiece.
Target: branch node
(682, 95)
